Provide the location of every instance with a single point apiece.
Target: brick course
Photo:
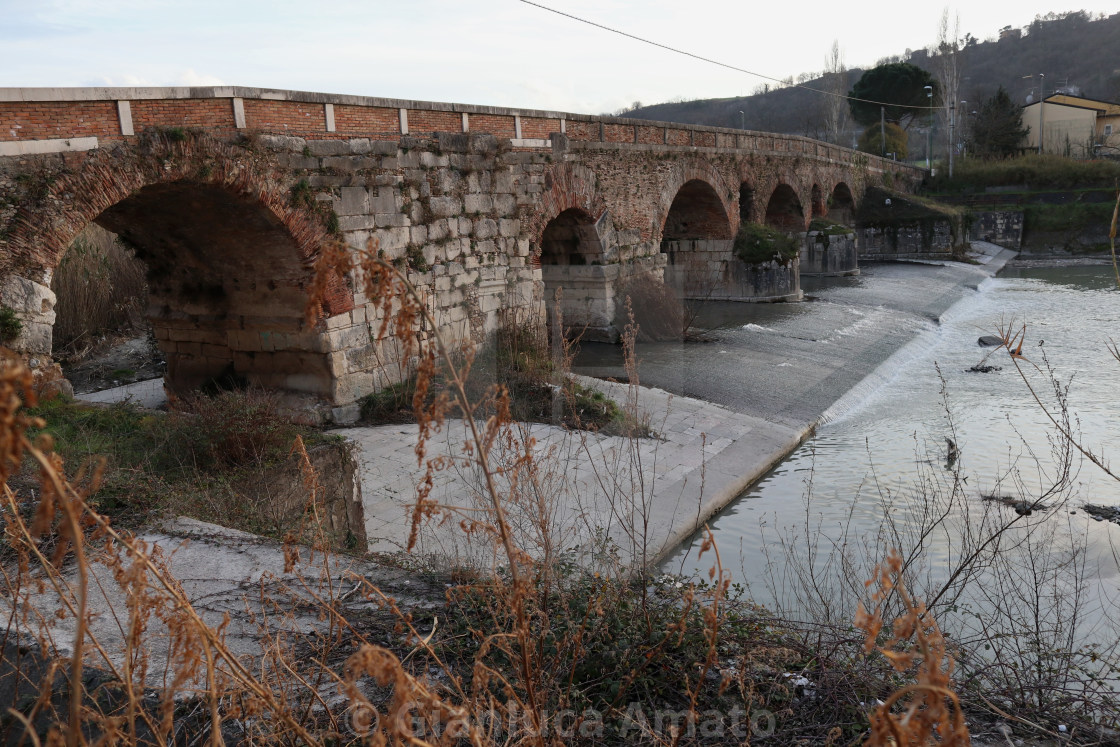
(366, 120)
(285, 116)
(46, 120)
(209, 113)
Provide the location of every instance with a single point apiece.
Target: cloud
(190, 78)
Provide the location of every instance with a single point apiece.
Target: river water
(865, 479)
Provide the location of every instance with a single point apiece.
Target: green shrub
(10, 325)
(756, 244)
(827, 227)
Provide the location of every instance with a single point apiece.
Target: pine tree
(997, 130)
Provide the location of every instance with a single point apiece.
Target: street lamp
(742, 120)
(929, 133)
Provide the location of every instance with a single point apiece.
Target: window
(1107, 130)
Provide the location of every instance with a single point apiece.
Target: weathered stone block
(328, 147)
(485, 228)
(478, 203)
(453, 142)
(357, 222)
(505, 205)
(483, 143)
(445, 207)
(281, 142)
(393, 239)
(359, 146)
(354, 201)
(429, 160)
(385, 220)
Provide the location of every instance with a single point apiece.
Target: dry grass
(101, 288)
(653, 307)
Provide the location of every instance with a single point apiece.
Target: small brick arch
(688, 172)
(841, 204)
(567, 187)
(785, 209)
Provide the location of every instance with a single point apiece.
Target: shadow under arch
(577, 283)
(841, 205)
(784, 211)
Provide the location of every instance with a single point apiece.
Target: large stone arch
(229, 242)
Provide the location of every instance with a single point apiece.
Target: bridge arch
(698, 199)
(567, 187)
(696, 212)
(784, 210)
(841, 205)
(228, 244)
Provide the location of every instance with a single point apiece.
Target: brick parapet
(350, 114)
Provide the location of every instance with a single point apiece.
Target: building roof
(1104, 108)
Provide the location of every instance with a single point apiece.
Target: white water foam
(856, 398)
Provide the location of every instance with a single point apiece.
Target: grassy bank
(225, 459)
(1030, 173)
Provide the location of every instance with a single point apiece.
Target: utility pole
(929, 134)
(883, 130)
(1041, 104)
(952, 141)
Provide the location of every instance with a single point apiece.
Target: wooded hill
(1072, 50)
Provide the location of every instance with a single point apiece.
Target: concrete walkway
(631, 499)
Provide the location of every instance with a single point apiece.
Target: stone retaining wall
(829, 254)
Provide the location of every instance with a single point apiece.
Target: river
(863, 481)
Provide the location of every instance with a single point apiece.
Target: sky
(495, 52)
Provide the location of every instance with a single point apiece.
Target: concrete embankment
(725, 413)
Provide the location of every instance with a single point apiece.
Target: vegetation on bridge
(757, 244)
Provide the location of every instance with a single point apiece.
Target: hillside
(1070, 49)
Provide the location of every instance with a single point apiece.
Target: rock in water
(989, 341)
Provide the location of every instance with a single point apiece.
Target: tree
(871, 141)
(997, 130)
(945, 56)
(898, 85)
(835, 106)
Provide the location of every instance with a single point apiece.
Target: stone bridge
(227, 194)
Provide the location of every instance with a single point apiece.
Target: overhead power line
(722, 64)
